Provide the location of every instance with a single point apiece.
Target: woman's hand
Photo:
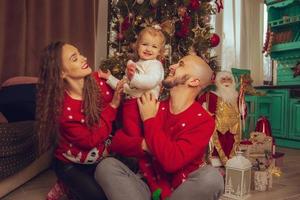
(115, 102)
(148, 106)
(104, 75)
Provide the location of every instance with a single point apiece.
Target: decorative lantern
(238, 177)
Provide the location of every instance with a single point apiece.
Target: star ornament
(198, 31)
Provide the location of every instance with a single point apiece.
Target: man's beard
(228, 94)
(172, 81)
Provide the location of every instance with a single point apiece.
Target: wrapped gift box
(258, 143)
(262, 180)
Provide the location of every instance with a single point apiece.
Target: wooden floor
(286, 187)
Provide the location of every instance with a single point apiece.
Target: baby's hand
(102, 74)
(130, 69)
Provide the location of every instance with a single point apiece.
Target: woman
(77, 106)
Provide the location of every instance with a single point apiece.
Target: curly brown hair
(50, 94)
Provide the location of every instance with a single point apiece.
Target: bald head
(191, 71)
(198, 69)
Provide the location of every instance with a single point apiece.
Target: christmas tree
(185, 23)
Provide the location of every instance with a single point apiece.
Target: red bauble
(120, 36)
(125, 24)
(194, 5)
(214, 40)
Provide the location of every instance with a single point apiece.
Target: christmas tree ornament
(120, 36)
(214, 40)
(181, 11)
(139, 18)
(207, 19)
(114, 2)
(194, 5)
(153, 2)
(219, 4)
(140, 1)
(130, 15)
(296, 70)
(168, 26)
(125, 24)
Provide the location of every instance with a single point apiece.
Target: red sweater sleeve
(126, 145)
(87, 138)
(189, 145)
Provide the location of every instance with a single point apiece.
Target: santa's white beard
(228, 94)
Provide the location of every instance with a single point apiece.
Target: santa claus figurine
(223, 104)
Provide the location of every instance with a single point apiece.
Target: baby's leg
(131, 120)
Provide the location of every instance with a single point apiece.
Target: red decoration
(125, 24)
(296, 70)
(263, 125)
(184, 28)
(194, 5)
(268, 42)
(219, 4)
(120, 36)
(214, 40)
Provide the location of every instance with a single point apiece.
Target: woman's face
(74, 65)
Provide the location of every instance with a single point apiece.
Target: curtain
(101, 32)
(240, 26)
(27, 26)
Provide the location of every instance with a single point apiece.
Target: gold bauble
(168, 26)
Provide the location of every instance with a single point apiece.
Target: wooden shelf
(286, 21)
(286, 46)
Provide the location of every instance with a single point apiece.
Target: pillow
(17, 80)
(17, 102)
(2, 119)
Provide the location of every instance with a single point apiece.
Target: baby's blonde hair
(155, 33)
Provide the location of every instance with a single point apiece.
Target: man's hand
(104, 75)
(148, 106)
(130, 69)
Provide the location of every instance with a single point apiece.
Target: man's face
(179, 73)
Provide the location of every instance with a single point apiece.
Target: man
(176, 134)
(223, 103)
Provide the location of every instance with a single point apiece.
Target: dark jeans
(79, 179)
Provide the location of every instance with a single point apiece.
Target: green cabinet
(278, 113)
(295, 119)
(257, 106)
(283, 112)
(284, 23)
